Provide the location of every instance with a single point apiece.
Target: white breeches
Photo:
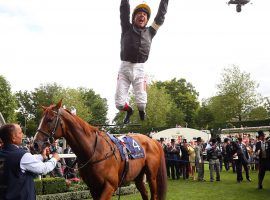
(131, 73)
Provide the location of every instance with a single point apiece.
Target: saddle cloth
(128, 147)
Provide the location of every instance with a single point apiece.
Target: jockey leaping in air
(136, 39)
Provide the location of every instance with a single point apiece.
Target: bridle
(50, 136)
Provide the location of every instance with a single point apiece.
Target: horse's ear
(59, 104)
(43, 108)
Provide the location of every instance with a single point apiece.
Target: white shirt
(208, 146)
(35, 164)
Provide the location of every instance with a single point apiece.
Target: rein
(107, 155)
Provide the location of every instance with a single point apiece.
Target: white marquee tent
(182, 133)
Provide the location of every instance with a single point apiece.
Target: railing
(72, 155)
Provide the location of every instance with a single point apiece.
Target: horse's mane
(88, 129)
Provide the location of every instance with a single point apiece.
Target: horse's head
(50, 127)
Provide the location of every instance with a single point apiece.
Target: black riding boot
(128, 114)
(142, 115)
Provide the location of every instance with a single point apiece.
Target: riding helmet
(143, 7)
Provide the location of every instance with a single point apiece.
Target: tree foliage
(238, 91)
(8, 103)
(89, 106)
(161, 109)
(258, 113)
(97, 106)
(267, 105)
(204, 118)
(184, 96)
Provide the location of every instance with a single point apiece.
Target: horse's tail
(162, 177)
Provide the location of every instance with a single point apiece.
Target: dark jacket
(267, 149)
(136, 42)
(244, 151)
(213, 153)
(16, 185)
(185, 155)
(173, 152)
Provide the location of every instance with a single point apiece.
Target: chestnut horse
(100, 163)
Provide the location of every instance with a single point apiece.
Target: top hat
(214, 141)
(226, 140)
(260, 133)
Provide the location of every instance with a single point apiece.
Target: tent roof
(185, 133)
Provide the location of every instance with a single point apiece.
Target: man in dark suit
(226, 153)
(242, 160)
(19, 167)
(174, 153)
(263, 152)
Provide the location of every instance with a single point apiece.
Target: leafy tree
(30, 102)
(44, 96)
(222, 108)
(238, 91)
(73, 98)
(98, 106)
(258, 113)
(8, 103)
(185, 97)
(161, 110)
(267, 105)
(26, 104)
(89, 106)
(26, 112)
(204, 117)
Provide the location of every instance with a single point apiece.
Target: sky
(76, 43)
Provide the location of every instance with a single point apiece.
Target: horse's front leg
(107, 192)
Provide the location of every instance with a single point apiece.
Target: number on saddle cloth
(130, 145)
(133, 147)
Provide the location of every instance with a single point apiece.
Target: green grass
(227, 188)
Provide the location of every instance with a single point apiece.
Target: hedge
(50, 185)
(131, 189)
(38, 186)
(66, 196)
(54, 185)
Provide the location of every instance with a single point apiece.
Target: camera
(52, 149)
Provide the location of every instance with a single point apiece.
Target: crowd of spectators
(185, 158)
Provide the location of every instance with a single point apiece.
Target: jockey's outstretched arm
(160, 17)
